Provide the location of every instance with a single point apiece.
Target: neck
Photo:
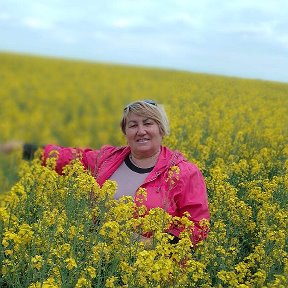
(144, 162)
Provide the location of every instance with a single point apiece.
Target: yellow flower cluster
(61, 239)
(66, 231)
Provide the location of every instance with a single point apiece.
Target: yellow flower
(70, 263)
(37, 262)
(141, 195)
(110, 282)
(92, 271)
(72, 232)
(110, 229)
(48, 283)
(83, 283)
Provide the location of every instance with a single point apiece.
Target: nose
(141, 130)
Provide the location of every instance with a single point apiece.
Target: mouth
(142, 140)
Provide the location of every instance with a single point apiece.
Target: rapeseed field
(235, 130)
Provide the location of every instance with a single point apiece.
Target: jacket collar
(110, 163)
(166, 160)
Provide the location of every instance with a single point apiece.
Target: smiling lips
(142, 140)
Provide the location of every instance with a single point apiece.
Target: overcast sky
(242, 38)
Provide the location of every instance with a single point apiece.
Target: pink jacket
(187, 194)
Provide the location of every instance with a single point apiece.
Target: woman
(143, 163)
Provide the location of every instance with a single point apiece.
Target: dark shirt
(29, 150)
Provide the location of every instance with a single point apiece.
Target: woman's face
(143, 135)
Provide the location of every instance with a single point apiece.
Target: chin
(147, 151)
(142, 149)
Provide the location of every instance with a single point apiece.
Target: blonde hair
(149, 109)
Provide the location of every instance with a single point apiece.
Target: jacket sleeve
(66, 154)
(191, 196)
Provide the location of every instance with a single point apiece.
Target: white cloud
(260, 28)
(121, 23)
(36, 23)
